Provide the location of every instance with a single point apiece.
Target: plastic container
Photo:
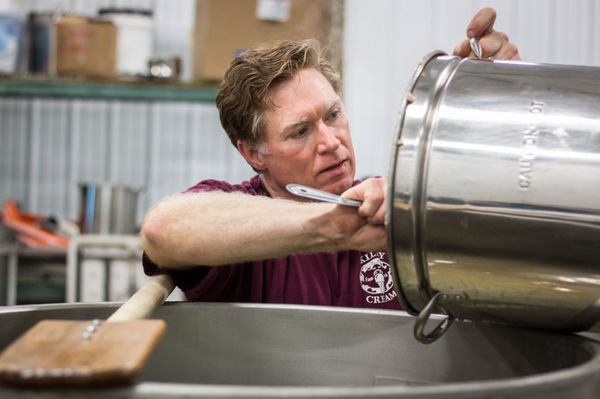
(134, 38)
(11, 42)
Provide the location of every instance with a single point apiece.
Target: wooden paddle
(89, 353)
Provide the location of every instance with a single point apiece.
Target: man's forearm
(221, 228)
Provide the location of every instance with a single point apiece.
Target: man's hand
(363, 228)
(493, 44)
(372, 192)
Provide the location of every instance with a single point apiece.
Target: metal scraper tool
(313, 193)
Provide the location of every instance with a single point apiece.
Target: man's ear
(251, 155)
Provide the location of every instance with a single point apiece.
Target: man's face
(306, 140)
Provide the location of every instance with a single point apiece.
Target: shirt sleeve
(184, 279)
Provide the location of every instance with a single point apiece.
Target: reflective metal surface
(495, 180)
(476, 47)
(108, 208)
(275, 351)
(319, 195)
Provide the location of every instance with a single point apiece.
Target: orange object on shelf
(28, 229)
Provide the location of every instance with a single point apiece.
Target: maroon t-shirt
(347, 278)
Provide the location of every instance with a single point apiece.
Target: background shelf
(82, 89)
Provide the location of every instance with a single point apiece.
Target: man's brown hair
(244, 93)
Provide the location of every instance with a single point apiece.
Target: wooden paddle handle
(143, 303)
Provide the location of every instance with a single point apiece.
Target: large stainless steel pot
(495, 188)
(276, 351)
(108, 208)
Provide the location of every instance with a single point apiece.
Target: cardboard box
(224, 28)
(86, 47)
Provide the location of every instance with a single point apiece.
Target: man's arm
(216, 228)
(493, 44)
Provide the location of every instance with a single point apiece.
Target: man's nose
(327, 138)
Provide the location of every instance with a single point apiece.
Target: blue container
(11, 42)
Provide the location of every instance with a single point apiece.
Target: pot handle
(423, 318)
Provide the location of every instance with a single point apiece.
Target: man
(255, 242)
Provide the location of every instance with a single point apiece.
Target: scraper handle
(319, 195)
(146, 300)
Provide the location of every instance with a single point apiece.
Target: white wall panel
(93, 139)
(384, 39)
(49, 169)
(14, 148)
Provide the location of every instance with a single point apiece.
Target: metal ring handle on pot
(423, 318)
(476, 47)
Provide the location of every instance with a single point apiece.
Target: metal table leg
(11, 279)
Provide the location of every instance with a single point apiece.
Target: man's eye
(299, 133)
(333, 115)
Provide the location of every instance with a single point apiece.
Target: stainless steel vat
(495, 193)
(108, 209)
(276, 351)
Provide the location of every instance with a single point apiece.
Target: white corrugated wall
(47, 146)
